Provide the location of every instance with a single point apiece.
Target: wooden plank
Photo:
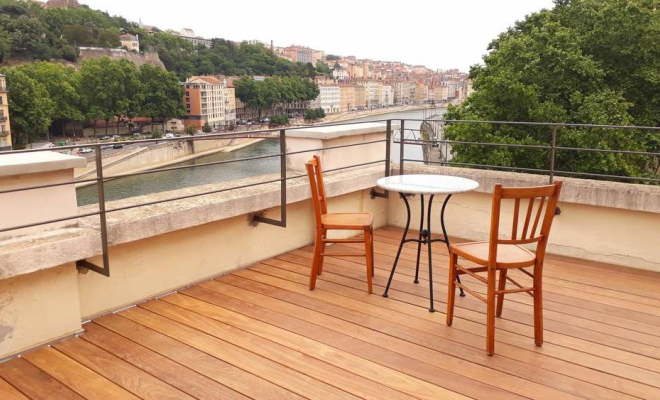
(194, 359)
(76, 376)
(561, 360)
(394, 379)
(119, 371)
(433, 368)
(247, 290)
(244, 359)
(358, 326)
(161, 367)
(33, 382)
(8, 392)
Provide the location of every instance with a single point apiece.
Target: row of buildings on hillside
(352, 95)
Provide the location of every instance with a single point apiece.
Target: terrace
(202, 292)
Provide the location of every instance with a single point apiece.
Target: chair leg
(538, 309)
(490, 313)
(370, 259)
(319, 267)
(501, 285)
(315, 261)
(451, 293)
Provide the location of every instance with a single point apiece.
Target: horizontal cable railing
(280, 134)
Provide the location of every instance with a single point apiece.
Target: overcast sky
(435, 33)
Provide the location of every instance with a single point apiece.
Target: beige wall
(43, 306)
(596, 233)
(37, 308)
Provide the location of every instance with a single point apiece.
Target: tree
(190, 130)
(585, 61)
(162, 94)
(207, 128)
(111, 89)
(63, 87)
(30, 105)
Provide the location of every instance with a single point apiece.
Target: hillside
(29, 32)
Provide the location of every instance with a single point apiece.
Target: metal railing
(280, 135)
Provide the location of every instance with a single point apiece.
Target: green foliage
(314, 114)
(156, 134)
(161, 93)
(111, 89)
(190, 130)
(30, 105)
(262, 95)
(279, 119)
(332, 57)
(207, 128)
(33, 32)
(323, 68)
(585, 61)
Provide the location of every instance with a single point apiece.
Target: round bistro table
(430, 185)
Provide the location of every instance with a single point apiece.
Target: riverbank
(350, 115)
(224, 149)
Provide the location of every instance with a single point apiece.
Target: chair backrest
(315, 175)
(524, 229)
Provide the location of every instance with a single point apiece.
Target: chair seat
(508, 255)
(356, 221)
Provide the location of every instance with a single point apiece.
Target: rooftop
(260, 333)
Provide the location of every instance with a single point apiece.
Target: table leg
(403, 241)
(428, 242)
(421, 233)
(446, 238)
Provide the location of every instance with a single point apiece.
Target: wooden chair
(503, 254)
(339, 221)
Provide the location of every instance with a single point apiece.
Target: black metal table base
(423, 239)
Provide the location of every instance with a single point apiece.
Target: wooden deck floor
(260, 333)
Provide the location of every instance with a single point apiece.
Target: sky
(435, 33)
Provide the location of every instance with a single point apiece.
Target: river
(171, 180)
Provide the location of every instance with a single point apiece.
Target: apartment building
(421, 92)
(373, 90)
(402, 92)
(328, 99)
(387, 95)
(360, 97)
(189, 35)
(347, 101)
(5, 131)
(208, 99)
(299, 54)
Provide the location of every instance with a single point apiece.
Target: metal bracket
(84, 265)
(373, 194)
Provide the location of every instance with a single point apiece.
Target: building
(421, 93)
(189, 35)
(373, 91)
(360, 97)
(317, 55)
(402, 90)
(347, 98)
(340, 74)
(131, 42)
(5, 131)
(328, 99)
(299, 54)
(230, 106)
(387, 96)
(207, 100)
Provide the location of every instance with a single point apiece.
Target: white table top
(427, 184)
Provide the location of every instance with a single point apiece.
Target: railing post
(552, 153)
(105, 270)
(283, 177)
(388, 148)
(401, 145)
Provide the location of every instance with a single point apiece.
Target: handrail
(280, 135)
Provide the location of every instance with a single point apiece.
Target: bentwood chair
(501, 255)
(339, 221)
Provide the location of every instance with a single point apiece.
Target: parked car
(86, 150)
(117, 146)
(105, 138)
(116, 137)
(169, 136)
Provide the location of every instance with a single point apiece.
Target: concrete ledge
(41, 161)
(333, 132)
(625, 196)
(36, 252)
